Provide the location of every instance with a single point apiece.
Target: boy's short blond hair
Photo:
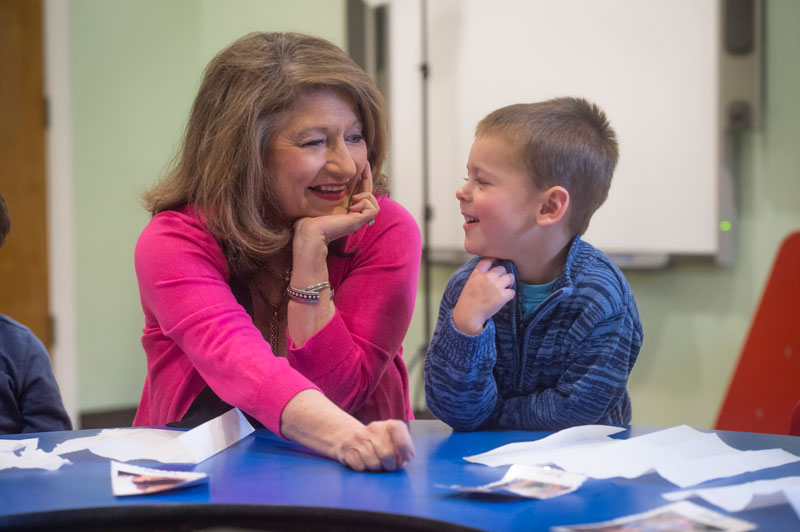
(564, 141)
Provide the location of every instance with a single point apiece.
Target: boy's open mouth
(470, 219)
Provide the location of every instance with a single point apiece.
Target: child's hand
(486, 291)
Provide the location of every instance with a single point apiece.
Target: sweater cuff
(466, 351)
(269, 413)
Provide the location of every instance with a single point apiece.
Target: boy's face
(499, 202)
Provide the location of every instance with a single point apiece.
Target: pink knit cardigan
(196, 333)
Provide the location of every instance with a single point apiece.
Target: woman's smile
(319, 155)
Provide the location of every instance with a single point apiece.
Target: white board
(652, 65)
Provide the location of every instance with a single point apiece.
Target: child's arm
(459, 384)
(592, 387)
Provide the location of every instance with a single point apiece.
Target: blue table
(264, 481)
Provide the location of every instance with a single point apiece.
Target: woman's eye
(355, 139)
(314, 142)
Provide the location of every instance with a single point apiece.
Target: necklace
(275, 309)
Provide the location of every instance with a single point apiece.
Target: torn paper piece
(692, 472)
(31, 458)
(533, 482)
(16, 445)
(681, 455)
(204, 441)
(127, 480)
(792, 494)
(119, 444)
(637, 456)
(677, 517)
(747, 496)
(168, 446)
(537, 452)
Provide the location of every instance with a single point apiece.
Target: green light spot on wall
(725, 225)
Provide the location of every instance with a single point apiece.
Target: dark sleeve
(39, 399)
(460, 388)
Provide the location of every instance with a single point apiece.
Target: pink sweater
(196, 333)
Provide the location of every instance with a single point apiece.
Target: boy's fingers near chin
(484, 265)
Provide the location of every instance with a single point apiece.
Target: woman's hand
(312, 419)
(379, 446)
(310, 251)
(325, 229)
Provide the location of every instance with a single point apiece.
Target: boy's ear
(554, 206)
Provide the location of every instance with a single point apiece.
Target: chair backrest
(765, 387)
(794, 424)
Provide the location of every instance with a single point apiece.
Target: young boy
(29, 397)
(540, 330)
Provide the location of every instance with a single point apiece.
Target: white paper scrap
(16, 445)
(637, 456)
(29, 457)
(747, 496)
(537, 452)
(167, 446)
(792, 494)
(681, 455)
(204, 441)
(687, 473)
(120, 444)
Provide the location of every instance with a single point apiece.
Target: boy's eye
(478, 180)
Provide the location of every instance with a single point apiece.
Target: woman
(267, 278)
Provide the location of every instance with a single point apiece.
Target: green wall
(135, 66)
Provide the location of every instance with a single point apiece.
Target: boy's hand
(486, 291)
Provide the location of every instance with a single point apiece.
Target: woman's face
(318, 155)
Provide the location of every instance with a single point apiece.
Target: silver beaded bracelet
(309, 294)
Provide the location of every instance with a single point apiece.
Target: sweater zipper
(540, 310)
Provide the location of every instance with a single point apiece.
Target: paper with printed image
(128, 480)
(677, 517)
(533, 482)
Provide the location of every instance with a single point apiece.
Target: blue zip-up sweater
(567, 365)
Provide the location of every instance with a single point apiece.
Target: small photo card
(533, 482)
(127, 480)
(678, 517)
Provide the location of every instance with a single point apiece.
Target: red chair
(794, 425)
(764, 391)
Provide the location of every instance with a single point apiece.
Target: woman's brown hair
(221, 168)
